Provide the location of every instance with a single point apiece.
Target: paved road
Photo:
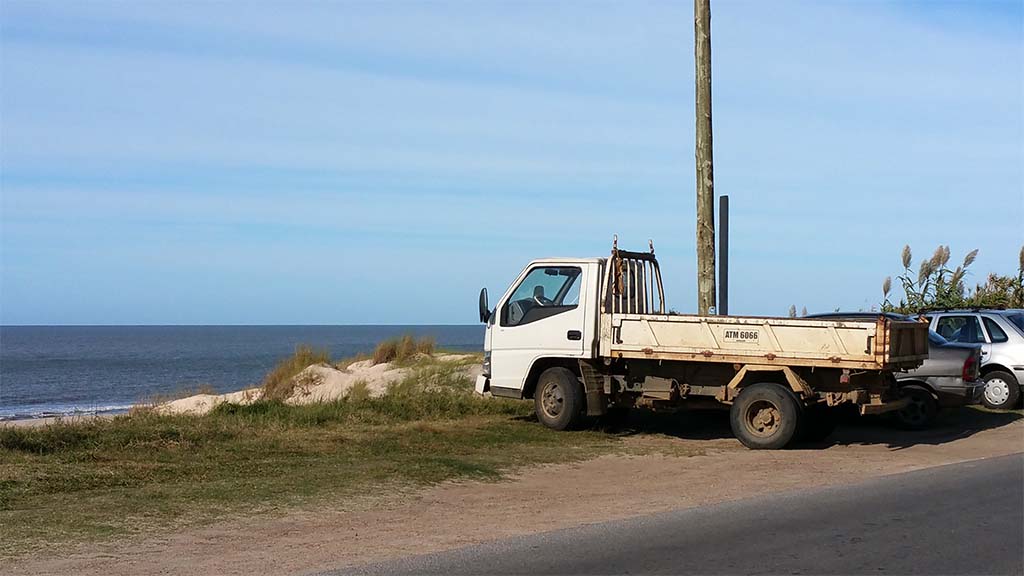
(959, 519)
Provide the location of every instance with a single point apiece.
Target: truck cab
(548, 315)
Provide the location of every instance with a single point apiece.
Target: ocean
(65, 370)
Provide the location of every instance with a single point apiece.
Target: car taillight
(970, 372)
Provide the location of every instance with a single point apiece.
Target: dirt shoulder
(662, 477)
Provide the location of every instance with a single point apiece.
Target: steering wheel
(542, 301)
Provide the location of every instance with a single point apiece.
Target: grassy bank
(101, 479)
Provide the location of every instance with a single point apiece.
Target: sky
(360, 163)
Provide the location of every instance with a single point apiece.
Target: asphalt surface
(963, 518)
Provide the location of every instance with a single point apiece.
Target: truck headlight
(487, 364)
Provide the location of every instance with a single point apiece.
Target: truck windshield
(544, 292)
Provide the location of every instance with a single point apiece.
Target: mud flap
(593, 383)
(597, 403)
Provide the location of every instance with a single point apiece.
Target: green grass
(101, 479)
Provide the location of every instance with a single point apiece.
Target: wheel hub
(997, 391)
(552, 400)
(763, 418)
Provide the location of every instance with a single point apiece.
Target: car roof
(973, 311)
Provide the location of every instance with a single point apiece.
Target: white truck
(584, 336)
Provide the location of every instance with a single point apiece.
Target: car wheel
(921, 411)
(558, 399)
(1001, 390)
(765, 416)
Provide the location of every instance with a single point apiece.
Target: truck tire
(765, 416)
(921, 411)
(558, 400)
(1001, 390)
(819, 423)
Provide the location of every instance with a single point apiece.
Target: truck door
(543, 316)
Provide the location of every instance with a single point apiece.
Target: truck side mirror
(485, 311)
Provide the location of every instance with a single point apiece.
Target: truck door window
(964, 329)
(545, 292)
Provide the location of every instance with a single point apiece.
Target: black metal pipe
(723, 255)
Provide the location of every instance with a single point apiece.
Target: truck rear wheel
(558, 399)
(765, 416)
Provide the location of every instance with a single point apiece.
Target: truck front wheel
(765, 416)
(558, 399)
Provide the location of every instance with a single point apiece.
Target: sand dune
(317, 383)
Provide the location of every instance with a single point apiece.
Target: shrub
(936, 285)
(406, 347)
(359, 391)
(425, 345)
(402, 349)
(280, 382)
(386, 351)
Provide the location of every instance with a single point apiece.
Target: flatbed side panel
(796, 342)
(754, 337)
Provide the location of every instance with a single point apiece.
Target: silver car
(1000, 333)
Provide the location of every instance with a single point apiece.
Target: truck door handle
(574, 335)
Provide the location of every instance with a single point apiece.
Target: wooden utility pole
(705, 171)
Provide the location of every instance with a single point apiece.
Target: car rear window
(995, 333)
(1017, 320)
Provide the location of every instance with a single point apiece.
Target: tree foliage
(936, 285)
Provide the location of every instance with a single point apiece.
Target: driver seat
(538, 293)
